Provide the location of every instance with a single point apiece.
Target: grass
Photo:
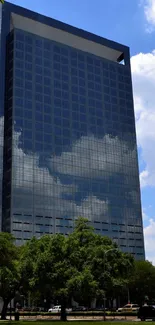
(62, 323)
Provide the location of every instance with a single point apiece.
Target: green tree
(62, 265)
(142, 282)
(83, 287)
(48, 267)
(8, 251)
(106, 263)
(82, 266)
(10, 279)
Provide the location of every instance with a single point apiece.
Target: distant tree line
(83, 266)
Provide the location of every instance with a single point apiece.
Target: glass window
(19, 55)
(28, 39)
(38, 78)
(28, 57)
(18, 112)
(57, 121)
(28, 94)
(65, 86)
(19, 92)
(56, 49)
(98, 79)
(38, 51)
(38, 116)
(74, 97)
(74, 80)
(74, 71)
(19, 45)
(47, 119)
(65, 77)
(47, 45)
(28, 134)
(28, 104)
(64, 51)
(19, 83)
(38, 60)
(47, 90)
(66, 132)
(28, 76)
(47, 81)
(90, 76)
(47, 72)
(82, 91)
(38, 69)
(18, 101)
(39, 97)
(19, 64)
(28, 48)
(47, 54)
(19, 73)
(64, 69)
(28, 114)
(89, 60)
(66, 123)
(81, 74)
(65, 95)
(39, 88)
(19, 36)
(66, 113)
(28, 85)
(38, 146)
(64, 60)
(47, 108)
(27, 124)
(57, 130)
(38, 126)
(39, 136)
(28, 144)
(47, 100)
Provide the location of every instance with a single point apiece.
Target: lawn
(75, 322)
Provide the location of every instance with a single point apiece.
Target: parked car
(57, 309)
(146, 312)
(128, 307)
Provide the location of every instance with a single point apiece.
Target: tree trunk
(63, 312)
(4, 309)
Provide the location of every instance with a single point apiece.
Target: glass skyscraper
(69, 145)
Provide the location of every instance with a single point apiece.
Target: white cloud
(149, 236)
(143, 72)
(93, 206)
(144, 215)
(149, 11)
(46, 190)
(92, 156)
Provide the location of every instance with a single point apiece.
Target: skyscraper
(69, 148)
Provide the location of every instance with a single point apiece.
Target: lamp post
(105, 253)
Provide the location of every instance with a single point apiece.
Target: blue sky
(131, 23)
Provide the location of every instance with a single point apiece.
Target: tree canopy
(82, 266)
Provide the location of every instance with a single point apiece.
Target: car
(128, 307)
(55, 309)
(146, 312)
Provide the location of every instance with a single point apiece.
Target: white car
(128, 307)
(55, 309)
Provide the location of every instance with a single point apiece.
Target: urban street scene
(77, 161)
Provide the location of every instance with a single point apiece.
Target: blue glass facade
(69, 142)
